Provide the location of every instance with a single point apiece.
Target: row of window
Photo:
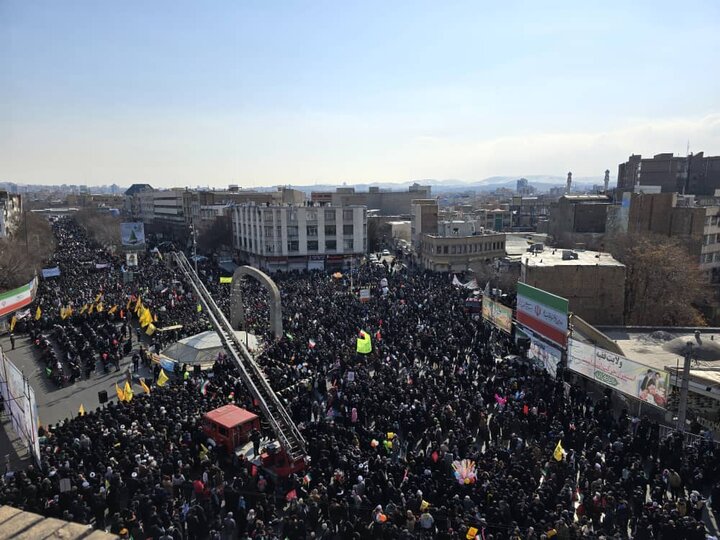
(312, 215)
(312, 245)
(710, 257)
(710, 239)
(310, 230)
(460, 249)
(712, 220)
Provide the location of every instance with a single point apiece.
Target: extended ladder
(251, 374)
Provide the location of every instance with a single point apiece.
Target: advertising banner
(549, 357)
(17, 298)
(543, 313)
(497, 314)
(624, 375)
(132, 234)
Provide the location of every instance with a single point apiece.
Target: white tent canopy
(202, 349)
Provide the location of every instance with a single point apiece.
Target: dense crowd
(383, 429)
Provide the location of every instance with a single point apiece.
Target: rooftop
(554, 257)
(230, 416)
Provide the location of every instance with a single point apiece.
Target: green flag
(364, 344)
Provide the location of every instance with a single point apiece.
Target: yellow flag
(150, 330)
(145, 316)
(100, 307)
(128, 391)
(120, 393)
(162, 378)
(112, 309)
(68, 311)
(127, 306)
(91, 308)
(559, 452)
(83, 309)
(98, 297)
(144, 386)
(199, 308)
(13, 321)
(38, 313)
(225, 279)
(138, 304)
(81, 410)
(62, 312)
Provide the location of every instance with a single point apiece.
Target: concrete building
(693, 174)
(424, 219)
(275, 237)
(578, 219)
(386, 202)
(679, 216)
(495, 219)
(524, 188)
(458, 253)
(593, 282)
(10, 212)
(527, 212)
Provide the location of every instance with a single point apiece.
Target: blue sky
(178, 93)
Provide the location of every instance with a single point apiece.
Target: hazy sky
(178, 93)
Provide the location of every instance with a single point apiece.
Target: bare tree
(664, 284)
(218, 235)
(101, 227)
(26, 251)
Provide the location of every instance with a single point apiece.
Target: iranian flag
(17, 298)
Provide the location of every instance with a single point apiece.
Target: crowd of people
(385, 430)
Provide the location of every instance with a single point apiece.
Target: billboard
(131, 259)
(622, 374)
(497, 314)
(543, 313)
(547, 356)
(132, 234)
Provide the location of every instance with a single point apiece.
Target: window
(330, 245)
(312, 230)
(445, 250)
(452, 250)
(268, 232)
(347, 215)
(292, 231)
(348, 244)
(330, 215)
(347, 229)
(311, 215)
(293, 245)
(312, 245)
(330, 230)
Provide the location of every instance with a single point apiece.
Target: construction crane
(291, 454)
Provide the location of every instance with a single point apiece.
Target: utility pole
(682, 407)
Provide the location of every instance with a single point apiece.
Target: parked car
(386, 252)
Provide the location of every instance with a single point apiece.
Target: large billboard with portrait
(620, 373)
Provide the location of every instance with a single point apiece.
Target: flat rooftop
(554, 257)
(661, 348)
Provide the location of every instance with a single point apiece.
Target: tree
(26, 251)
(663, 284)
(218, 235)
(101, 227)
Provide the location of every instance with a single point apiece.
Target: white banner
(624, 375)
(132, 234)
(131, 259)
(546, 355)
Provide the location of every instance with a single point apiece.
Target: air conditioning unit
(568, 255)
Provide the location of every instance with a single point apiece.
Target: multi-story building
(424, 219)
(459, 253)
(578, 219)
(527, 212)
(524, 188)
(10, 211)
(386, 202)
(495, 219)
(692, 174)
(679, 216)
(593, 282)
(275, 237)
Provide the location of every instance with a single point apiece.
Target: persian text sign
(543, 313)
(497, 314)
(622, 374)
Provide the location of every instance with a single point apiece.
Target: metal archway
(237, 309)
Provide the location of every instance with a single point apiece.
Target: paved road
(56, 404)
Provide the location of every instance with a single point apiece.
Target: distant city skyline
(183, 94)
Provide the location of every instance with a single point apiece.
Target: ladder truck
(288, 455)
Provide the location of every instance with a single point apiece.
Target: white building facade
(275, 237)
